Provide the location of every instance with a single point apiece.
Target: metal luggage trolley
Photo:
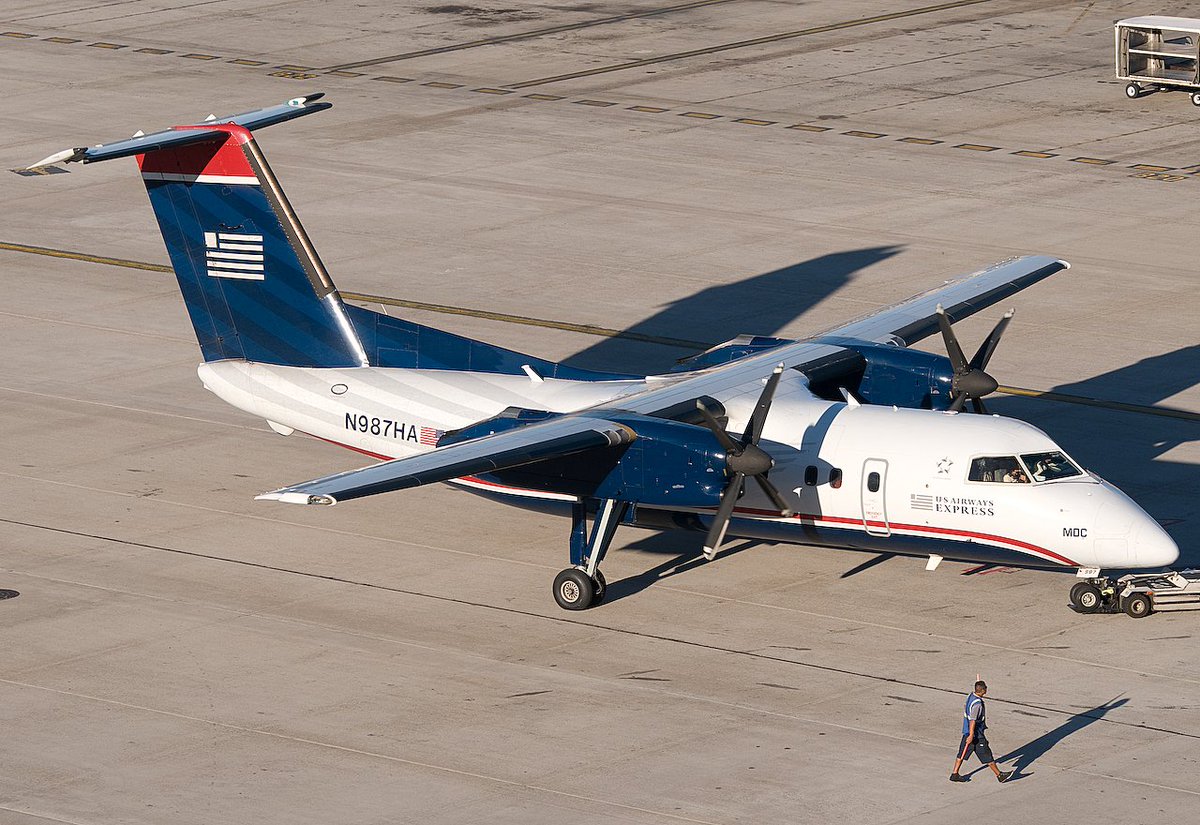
(1159, 54)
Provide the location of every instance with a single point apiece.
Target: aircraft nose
(1152, 546)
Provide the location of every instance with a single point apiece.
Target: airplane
(847, 438)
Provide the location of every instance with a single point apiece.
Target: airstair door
(874, 486)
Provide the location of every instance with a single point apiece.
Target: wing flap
(555, 438)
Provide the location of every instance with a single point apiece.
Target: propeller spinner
(744, 458)
(970, 382)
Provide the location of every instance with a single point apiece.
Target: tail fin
(254, 285)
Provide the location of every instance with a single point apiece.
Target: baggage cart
(1158, 54)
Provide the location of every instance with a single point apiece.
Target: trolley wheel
(1133, 90)
(573, 589)
(1086, 597)
(1138, 606)
(1195, 98)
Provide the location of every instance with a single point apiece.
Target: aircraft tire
(1086, 597)
(1138, 606)
(573, 589)
(599, 587)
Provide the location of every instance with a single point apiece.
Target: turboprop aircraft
(850, 438)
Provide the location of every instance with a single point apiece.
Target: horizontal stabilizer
(176, 138)
(553, 438)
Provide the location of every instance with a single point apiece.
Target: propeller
(970, 382)
(744, 458)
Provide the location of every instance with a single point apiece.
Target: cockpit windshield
(1000, 469)
(1050, 466)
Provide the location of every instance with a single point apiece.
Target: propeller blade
(759, 417)
(977, 403)
(716, 533)
(956, 404)
(773, 494)
(957, 359)
(988, 347)
(730, 446)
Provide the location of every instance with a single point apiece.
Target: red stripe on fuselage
(220, 157)
(891, 525)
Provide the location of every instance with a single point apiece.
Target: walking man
(974, 738)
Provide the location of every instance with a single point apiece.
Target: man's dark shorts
(980, 748)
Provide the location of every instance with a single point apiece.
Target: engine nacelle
(670, 463)
(885, 375)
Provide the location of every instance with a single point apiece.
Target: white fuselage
(866, 477)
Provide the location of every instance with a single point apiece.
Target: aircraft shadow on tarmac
(759, 305)
(1021, 758)
(683, 547)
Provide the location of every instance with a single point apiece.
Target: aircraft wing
(904, 323)
(554, 438)
(911, 320)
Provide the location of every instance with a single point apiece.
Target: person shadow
(1030, 752)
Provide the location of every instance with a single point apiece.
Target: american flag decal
(429, 436)
(919, 502)
(234, 256)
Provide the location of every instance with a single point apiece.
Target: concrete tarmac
(175, 652)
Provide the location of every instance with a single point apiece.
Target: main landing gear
(582, 585)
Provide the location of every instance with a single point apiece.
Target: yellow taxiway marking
(586, 329)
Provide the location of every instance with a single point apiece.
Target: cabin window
(810, 475)
(835, 478)
(999, 470)
(873, 482)
(1050, 466)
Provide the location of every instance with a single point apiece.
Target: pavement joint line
(297, 72)
(593, 800)
(596, 625)
(586, 329)
(18, 35)
(508, 38)
(740, 44)
(857, 622)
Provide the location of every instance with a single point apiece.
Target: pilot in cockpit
(1016, 476)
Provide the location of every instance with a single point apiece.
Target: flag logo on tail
(234, 256)
(429, 436)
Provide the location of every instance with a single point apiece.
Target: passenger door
(874, 485)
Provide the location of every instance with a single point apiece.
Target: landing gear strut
(582, 585)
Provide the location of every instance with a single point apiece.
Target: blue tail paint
(253, 283)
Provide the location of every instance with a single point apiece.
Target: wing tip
(286, 497)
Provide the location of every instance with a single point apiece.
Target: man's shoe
(954, 777)
(1004, 776)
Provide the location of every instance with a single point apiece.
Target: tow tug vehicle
(1139, 594)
